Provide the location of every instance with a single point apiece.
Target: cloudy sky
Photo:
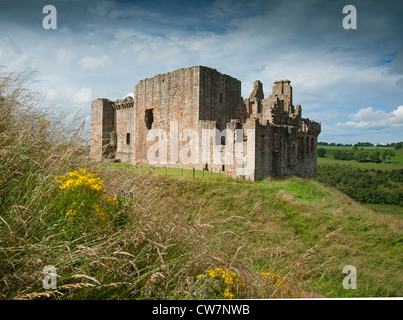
(350, 80)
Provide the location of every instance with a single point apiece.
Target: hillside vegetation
(375, 182)
(118, 233)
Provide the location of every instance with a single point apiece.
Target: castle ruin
(268, 135)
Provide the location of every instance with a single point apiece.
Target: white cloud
(397, 118)
(90, 62)
(368, 118)
(82, 96)
(52, 95)
(63, 55)
(369, 114)
(130, 94)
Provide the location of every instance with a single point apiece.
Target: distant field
(387, 209)
(395, 164)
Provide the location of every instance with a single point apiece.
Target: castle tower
(102, 128)
(257, 90)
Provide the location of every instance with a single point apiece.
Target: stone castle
(270, 132)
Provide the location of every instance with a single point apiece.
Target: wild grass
(278, 237)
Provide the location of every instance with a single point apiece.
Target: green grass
(175, 172)
(295, 228)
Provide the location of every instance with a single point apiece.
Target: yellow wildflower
(112, 201)
(228, 294)
(71, 212)
(101, 214)
(81, 178)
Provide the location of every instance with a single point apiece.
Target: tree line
(396, 145)
(360, 156)
(365, 185)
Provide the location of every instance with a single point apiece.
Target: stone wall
(173, 96)
(219, 96)
(124, 127)
(102, 127)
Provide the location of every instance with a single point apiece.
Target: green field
(386, 209)
(174, 172)
(396, 162)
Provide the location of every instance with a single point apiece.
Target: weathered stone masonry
(202, 98)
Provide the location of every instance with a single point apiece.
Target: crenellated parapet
(127, 102)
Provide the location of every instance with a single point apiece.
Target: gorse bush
(218, 283)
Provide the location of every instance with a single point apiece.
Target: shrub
(361, 156)
(321, 152)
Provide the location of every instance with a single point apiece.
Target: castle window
(223, 141)
(127, 138)
(223, 168)
(220, 97)
(149, 118)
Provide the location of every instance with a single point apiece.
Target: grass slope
(179, 227)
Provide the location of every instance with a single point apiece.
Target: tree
(374, 156)
(387, 155)
(398, 145)
(361, 156)
(349, 155)
(321, 152)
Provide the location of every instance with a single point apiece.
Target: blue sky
(350, 80)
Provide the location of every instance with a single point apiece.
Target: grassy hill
(176, 228)
(113, 232)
